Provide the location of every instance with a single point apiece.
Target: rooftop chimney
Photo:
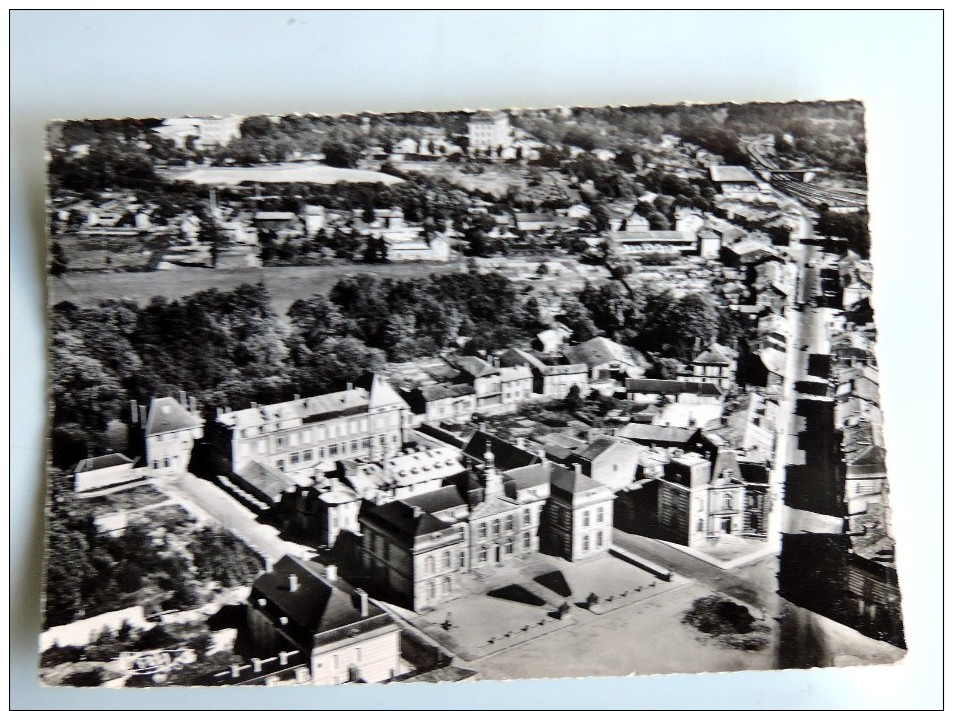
(142, 415)
(283, 658)
(293, 583)
(182, 397)
(283, 621)
(577, 467)
(134, 412)
(193, 405)
(350, 386)
(362, 599)
(331, 573)
(521, 442)
(235, 671)
(418, 512)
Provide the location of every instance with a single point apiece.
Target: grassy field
(300, 173)
(285, 284)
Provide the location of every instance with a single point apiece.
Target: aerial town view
(463, 395)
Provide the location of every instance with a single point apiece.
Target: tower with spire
(492, 481)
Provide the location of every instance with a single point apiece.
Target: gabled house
(606, 359)
(342, 634)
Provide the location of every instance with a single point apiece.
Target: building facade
(169, 431)
(489, 130)
(316, 432)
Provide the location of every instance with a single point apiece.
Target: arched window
(727, 500)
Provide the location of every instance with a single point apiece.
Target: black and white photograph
(483, 358)
(446, 396)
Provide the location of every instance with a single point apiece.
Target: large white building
(207, 130)
(316, 432)
(489, 130)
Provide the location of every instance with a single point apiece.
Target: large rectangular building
(318, 431)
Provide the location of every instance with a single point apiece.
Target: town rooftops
(316, 408)
(506, 455)
(166, 414)
(444, 391)
(264, 479)
(105, 461)
(636, 237)
(531, 476)
(515, 372)
(473, 366)
(657, 434)
(716, 354)
(298, 591)
(572, 485)
(732, 174)
(404, 521)
(434, 502)
(599, 350)
(650, 386)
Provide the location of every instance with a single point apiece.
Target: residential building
(699, 500)
(611, 461)
(734, 179)
(303, 434)
(168, 430)
(208, 131)
(319, 513)
(345, 637)
(106, 470)
(437, 249)
(489, 130)
(716, 364)
(403, 475)
(606, 359)
(442, 402)
(550, 380)
(516, 384)
(578, 515)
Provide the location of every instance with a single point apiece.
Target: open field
(285, 284)
(298, 173)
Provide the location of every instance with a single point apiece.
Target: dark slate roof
(441, 391)
(726, 459)
(528, 477)
(317, 606)
(166, 414)
(443, 499)
(566, 483)
(596, 448)
(103, 462)
(473, 366)
(268, 481)
(397, 518)
(507, 455)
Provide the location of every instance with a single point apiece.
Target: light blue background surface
(96, 64)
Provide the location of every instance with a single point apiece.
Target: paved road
(212, 502)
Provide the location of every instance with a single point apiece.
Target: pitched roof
(567, 483)
(472, 365)
(166, 414)
(506, 455)
(528, 477)
(442, 499)
(270, 482)
(717, 354)
(115, 459)
(658, 434)
(402, 521)
(383, 395)
(310, 409)
(599, 350)
(442, 391)
(732, 174)
(316, 606)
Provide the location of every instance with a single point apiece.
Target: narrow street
(207, 500)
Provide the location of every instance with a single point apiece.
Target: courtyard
(509, 606)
